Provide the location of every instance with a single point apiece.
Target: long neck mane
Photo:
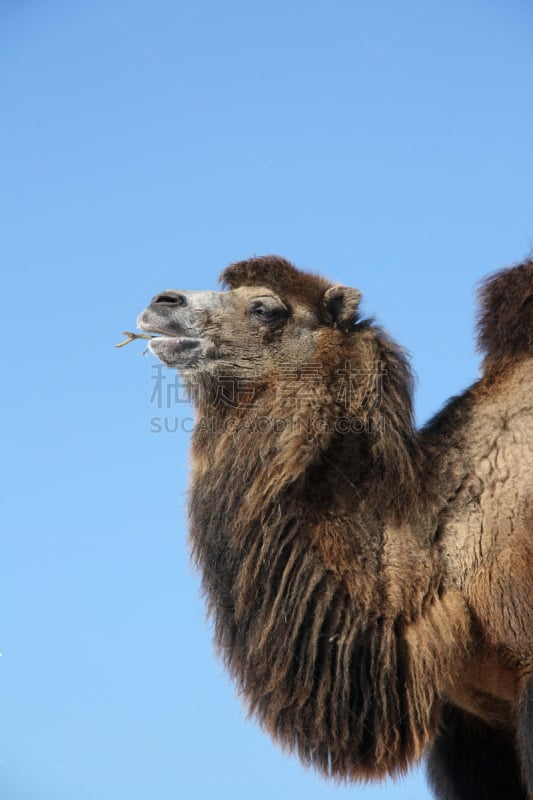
(325, 594)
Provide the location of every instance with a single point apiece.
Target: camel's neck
(324, 610)
(307, 523)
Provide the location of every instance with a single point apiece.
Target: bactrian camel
(371, 585)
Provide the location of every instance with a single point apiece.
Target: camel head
(271, 317)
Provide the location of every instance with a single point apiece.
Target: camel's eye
(268, 309)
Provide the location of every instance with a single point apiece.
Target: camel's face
(243, 333)
(269, 322)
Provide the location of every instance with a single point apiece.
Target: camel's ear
(342, 303)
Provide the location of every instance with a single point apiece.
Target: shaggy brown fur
(505, 322)
(370, 585)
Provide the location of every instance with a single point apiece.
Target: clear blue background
(145, 145)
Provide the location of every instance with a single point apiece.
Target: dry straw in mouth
(131, 336)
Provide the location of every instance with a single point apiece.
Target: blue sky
(145, 146)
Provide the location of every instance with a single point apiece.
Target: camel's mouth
(176, 351)
(174, 347)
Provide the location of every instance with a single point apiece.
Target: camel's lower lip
(175, 351)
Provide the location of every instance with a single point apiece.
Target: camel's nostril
(170, 297)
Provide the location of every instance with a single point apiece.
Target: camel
(371, 585)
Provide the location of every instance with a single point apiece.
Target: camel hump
(505, 320)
